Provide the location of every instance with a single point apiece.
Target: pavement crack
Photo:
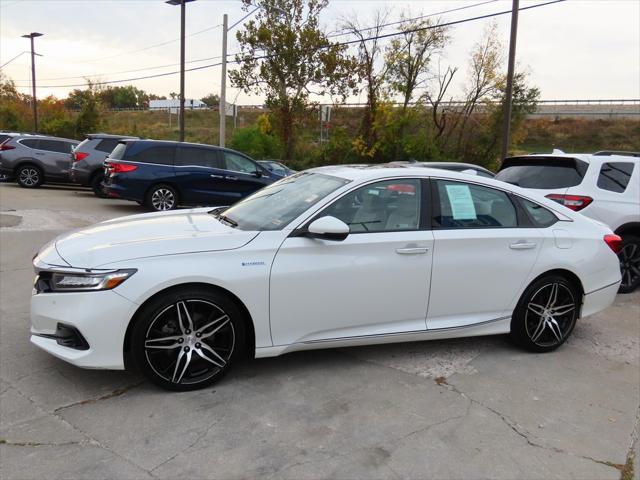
(522, 432)
(115, 393)
(39, 444)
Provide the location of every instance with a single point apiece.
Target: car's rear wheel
(96, 185)
(629, 263)
(187, 339)
(546, 314)
(161, 198)
(29, 176)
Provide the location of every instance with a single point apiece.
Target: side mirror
(328, 228)
(258, 173)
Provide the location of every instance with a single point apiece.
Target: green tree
(212, 100)
(88, 119)
(286, 56)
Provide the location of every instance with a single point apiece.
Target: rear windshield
(4, 137)
(542, 173)
(118, 152)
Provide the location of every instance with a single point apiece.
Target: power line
(350, 42)
(465, 7)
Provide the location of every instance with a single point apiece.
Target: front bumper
(101, 317)
(600, 299)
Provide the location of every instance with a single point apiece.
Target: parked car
(163, 175)
(457, 167)
(87, 167)
(329, 257)
(277, 167)
(35, 159)
(4, 136)
(604, 186)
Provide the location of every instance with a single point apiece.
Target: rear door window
(54, 146)
(464, 205)
(107, 144)
(540, 216)
(155, 155)
(30, 142)
(199, 157)
(542, 173)
(615, 176)
(238, 163)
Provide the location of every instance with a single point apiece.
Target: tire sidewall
(149, 203)
(149, 311)
(626, 240)
(518, 327)
(40, 176)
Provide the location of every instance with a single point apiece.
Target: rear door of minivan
(199, 175)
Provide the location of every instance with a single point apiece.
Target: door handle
(231, 177)
(412, 250)
(521, 245)
(216, 176)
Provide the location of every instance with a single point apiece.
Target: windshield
(273, 207)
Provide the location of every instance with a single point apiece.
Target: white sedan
(329, 257)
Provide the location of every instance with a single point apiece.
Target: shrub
(255, 143)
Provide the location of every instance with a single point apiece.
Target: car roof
(92, 136)
(46, 137)
(585, 157)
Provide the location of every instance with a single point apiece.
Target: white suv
(604, 186)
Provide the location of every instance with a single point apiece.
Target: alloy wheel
(630, 264)
(163, 199)
(29, 177)
(189, 342)
(550, 315)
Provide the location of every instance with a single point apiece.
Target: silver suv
(35, 159)
(87, 166)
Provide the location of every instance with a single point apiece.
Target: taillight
(77, 156)
(4, 146)
(574, 202)
(122, 167)
(614, 242)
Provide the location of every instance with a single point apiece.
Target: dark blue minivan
(162, 175)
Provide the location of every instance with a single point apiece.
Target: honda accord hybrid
(329, 257)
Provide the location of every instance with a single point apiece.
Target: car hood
(146, 235)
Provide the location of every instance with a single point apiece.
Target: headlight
(79, 282)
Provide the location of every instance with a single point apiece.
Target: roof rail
(608, 153)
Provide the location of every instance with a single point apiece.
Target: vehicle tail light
(4, 146)
(77, 156)
(121, 167)
(574, 202)
(614, 242)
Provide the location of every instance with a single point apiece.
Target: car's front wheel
(161, 198)
(629, 263)
(546, 314)
(187, 339)
(29, 176)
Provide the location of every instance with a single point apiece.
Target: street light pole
(506, 133)
(31, 36)
(223, 83)
(182, 4)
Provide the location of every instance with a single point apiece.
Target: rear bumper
(598, 300)
(114, 190)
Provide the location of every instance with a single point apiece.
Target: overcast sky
(577, 49)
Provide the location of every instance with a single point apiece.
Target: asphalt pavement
(469, 408)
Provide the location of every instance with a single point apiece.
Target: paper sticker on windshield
(462, 207)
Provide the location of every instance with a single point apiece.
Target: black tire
(29, 176)
(544, 318)
(96, 185)
(216, 331)
(629, 258)
(161, 198)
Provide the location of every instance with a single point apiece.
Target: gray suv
(88, 158)
(35, 159)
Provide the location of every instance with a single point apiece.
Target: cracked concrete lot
(470, 408)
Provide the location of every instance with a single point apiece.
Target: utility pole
(31, 36)
(506, 129)
(223, 81)
(182, 4)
